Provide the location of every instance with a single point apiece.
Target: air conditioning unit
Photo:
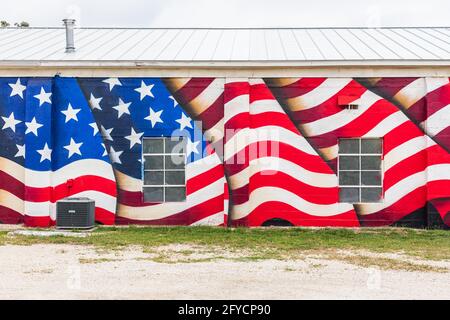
(75, 213)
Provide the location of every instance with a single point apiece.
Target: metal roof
(200, 46)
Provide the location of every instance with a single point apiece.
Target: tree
(23, 24)
(4, 24)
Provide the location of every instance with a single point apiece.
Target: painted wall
(269, 145)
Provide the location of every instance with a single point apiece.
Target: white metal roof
(278, 46)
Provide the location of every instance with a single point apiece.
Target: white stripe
(273, 134)
(193, 169)
(209, 95)
(163, 210)
(267, 105)
(47, 208)
(329, 153)
(410, 93)
(11, 201)
(315, 179)
(212, 220)
(266, 194)
(238, 105)
(320, 94)
(408, 185)
(406, 150)
(387, 125)
(433, 83)
(437, 122)
(418, 89)
(215, 133)
(340, 119)
(255, 81)
(40, 209)
(177, 83)
(43, 179)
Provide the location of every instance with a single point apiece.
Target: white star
(122, 108)
(145, 90)
(71, 113)
(95, 102)
(175, 103)
(10, 122)
(95, 127)
(134, 137)
(184, 121)
(115, 155)
(73, 148)
(154, 117)
(32, 126)
(112, 82)
(191, 147)
(106, 133)
(43, 97)
(46, 153)
(20, 151)
(17, 88)
(104, 152)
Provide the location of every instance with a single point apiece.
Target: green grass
(262, 243)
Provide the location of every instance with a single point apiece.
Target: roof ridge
(230, 28)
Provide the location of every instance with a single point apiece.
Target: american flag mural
(256, 151)
(416, 169)
(127, 110)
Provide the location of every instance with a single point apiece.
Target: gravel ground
(77, 272)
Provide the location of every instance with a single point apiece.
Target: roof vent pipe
(70, 44)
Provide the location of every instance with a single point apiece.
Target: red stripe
(191, 89)
(213, 114)
(399, 135)
(42, 222)
(330, 106)
(235, 89)
(204, 179)
(9, 216)
(443, 207)
(297, 88)
(245, 120)
(279, 210)
(411, 165)
(80, 184)
(104, 216)
(411, 202)
(11, 184)
(260, 92)
(418, 111)
(313, 194)
(282, 150)
(389, 87)
(443, 138)
(135, 198)
(359, 126)
(185, 217)
(235, 124)
(437, 99)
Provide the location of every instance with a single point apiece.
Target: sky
(229, 13)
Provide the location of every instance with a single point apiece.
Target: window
(359, 170)
(164, 169)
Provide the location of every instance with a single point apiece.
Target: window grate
(360, 171)
(163, 167)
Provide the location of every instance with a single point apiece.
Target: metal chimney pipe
(70, 44)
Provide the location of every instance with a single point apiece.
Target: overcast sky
(229, 13)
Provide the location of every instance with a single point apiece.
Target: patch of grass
(264, 243)
(388, 263)
(95, 260)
